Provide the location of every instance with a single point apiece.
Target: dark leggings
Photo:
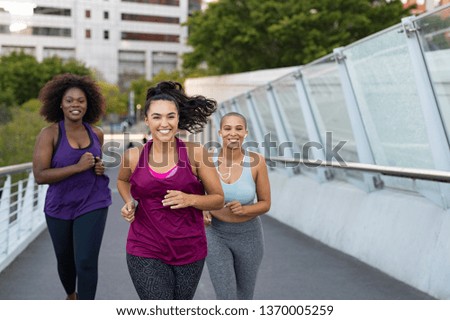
(77, 247)
(156, 280)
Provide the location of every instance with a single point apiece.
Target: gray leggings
(235, 251)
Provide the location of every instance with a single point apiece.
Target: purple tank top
(82, 192)
(174, 236)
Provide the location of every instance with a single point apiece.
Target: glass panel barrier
(259, 96)
(434, 37)
(327, 101)
(383, 82)
(289, 102)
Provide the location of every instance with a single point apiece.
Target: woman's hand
(128, 211)
(86, 161)
(236, 208)
(207, 218)
(177, 199)
(99, 167)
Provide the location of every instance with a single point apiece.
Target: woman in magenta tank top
(165, 185)
(67, 156)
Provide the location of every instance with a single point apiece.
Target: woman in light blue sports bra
(234, 233)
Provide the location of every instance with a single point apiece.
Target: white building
(121, 39)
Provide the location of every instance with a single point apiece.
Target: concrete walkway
(295, 267)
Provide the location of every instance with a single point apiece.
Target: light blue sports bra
(243, 189)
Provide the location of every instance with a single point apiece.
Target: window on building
(4, 28)
(105, 15)
(150, 37)
(163, 2)
(146, 18)
(106, 34)
(10, 49)
(64, 53)
(52, 11)
(87, 33)
(52, 32)
(131, 67)
(166, 61)
(87, 13)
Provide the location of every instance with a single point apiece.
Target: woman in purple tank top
(165, 185)
(67, 156)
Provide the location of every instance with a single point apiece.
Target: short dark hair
(234, 114)
(193, 112)
(52, 93)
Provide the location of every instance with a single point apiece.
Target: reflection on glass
(382, 78)
(289, 102)
(327, 101)
(328, 105)
(434, 37)
(262, 106)
(386, 93)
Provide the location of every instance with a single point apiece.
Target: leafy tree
(116, 102)
(17, 137)
(22, 76)
(242, 35)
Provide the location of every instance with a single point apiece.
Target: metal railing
(21, 207)
(412, 173)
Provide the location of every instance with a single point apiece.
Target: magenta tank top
(82, 192)
(174, 236)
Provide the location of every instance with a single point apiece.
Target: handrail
(16, 168)
(412, 173)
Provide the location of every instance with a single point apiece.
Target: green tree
(17, 137)
(116, 102)
(242, 35)
(22, 76)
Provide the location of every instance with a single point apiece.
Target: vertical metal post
(323, 174)
(260, 128)
(365, 154)
(280, 123)
(4, 216)
(438, 140)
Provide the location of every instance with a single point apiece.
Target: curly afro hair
(52, 94)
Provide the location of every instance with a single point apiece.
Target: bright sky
(18, 8)
(19, 11)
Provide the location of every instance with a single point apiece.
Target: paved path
(295, 267)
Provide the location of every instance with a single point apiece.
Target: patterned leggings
(156, 280)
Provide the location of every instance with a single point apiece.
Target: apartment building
(121, 39)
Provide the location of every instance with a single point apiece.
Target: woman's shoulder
(197, 152)
(97, 130)
(135, 152)
(255, 156)
(257, 160)
(50, 131)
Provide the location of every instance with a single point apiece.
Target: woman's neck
(232, 156)
(73, 125)
(163, 151)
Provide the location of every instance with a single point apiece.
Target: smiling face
(233, 131)
(74, 104)
(162, 120)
